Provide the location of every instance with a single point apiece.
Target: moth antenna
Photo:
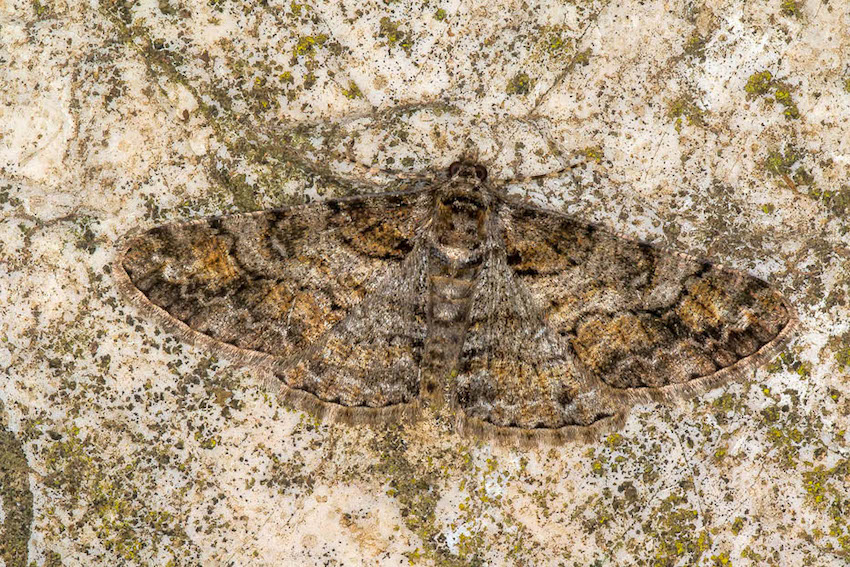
(550, 175)
(363, 170)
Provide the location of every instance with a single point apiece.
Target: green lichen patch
(520, 84)
(557, 43)
(840, 347)
(826, 491)
(759, 83)
(594, 153)
(286, 474)
(695, 47)
(763, 84)
(837, 201)
(308, 44)
(41, 10)
(726, 406)
(8, 196)
(469, 488)
(125, 524)
(675, 533)
(789, 8)
(85, 229)
(684, 110)
(789, 361)
(737, 525)
(394, 34)
(783, 97)
(16, 498)
(780, 162)
(353, 91)
(416, 492)
(242, 192)
(440, 15)
(582, 57)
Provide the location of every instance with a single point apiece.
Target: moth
(519, 323)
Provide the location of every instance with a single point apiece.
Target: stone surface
(715, 129)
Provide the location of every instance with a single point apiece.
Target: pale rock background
(715, 128)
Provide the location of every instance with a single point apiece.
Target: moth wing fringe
(347, 415)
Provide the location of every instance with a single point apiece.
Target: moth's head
(466, 182)
(473, 172)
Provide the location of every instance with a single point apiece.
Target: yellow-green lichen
(556, 43)
(836, 200)
(789, 8)
(394, 35)
(783, 97)
(520, 84)
(779, 162)
(763, 83)
(695, 46)
(737, 525)
(594, 153)
(682, 110)
(673, 531)
(788, 361)
(416, 494)
(826, 492)
(40, 10)
(840, 346)
(583, 57)
(759, 83)
(16, 497)
(306, 45)
(440, 15)
(125, 525)
(287, 475)
(353, 91)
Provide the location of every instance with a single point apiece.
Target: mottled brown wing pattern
(372, 357)
(277, 282)
(526, 323)
(513, 371)
(635, 316)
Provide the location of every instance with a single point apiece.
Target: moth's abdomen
(448, 312)
(455, 264)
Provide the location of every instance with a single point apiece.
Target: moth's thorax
(461, 210)
(458, 235)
